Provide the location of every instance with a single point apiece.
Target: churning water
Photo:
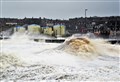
(78, 58)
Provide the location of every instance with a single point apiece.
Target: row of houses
(100, 25)
(56, 30)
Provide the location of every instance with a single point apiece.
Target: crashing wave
(88, 48)
(7, 60)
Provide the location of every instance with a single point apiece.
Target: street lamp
(85, 16)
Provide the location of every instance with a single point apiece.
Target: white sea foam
(24, 59)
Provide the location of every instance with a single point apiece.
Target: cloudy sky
(58, 9)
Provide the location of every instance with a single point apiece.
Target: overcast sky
(59, 9)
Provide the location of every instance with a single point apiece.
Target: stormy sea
(79, 58)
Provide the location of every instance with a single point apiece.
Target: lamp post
(85, 17)
(115, 29)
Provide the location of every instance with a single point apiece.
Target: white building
(34, 29)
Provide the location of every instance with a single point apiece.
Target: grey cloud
(60, 10)
(61, 0)
(0, 10)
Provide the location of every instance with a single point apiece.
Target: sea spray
(105, 48)
(20, 36)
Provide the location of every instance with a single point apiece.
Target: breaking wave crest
(89, 48)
